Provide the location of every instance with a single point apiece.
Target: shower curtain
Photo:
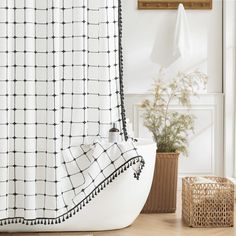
(60, 91)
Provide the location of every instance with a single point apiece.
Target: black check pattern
(60, 91)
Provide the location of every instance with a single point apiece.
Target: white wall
(145, 30)
(205, 144)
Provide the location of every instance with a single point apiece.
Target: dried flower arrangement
(170, 128)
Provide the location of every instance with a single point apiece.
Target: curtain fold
(60, 91)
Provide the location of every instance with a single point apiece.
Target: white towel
(174, 43)
(182, 42)
(202, 180)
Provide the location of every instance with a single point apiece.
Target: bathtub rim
(144, 142)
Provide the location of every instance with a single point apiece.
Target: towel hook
(170, 4)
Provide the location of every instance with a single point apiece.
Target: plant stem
(167, 108)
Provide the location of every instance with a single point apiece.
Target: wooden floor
(151, 225)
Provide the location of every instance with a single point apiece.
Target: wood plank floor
(150, 225)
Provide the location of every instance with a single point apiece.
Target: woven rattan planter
(208, 204)
(162, 197)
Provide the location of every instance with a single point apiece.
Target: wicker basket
(162, 197)
(208, 204)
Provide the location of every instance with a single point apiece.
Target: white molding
(206, 102)
(149, 93)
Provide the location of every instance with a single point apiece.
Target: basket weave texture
(208, 204)
(162, 197)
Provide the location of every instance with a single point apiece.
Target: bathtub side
(117, 206)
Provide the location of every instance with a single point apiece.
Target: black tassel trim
(121, 71)
(60, 219)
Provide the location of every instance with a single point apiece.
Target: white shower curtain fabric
(60, 91)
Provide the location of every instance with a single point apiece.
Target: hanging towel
(174, 43)
(182, 41)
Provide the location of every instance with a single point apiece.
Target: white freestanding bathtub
(117, 206)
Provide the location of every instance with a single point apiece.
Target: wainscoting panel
(205, 144)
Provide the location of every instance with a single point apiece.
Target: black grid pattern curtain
(60, 91)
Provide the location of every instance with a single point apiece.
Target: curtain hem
(84, 202)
